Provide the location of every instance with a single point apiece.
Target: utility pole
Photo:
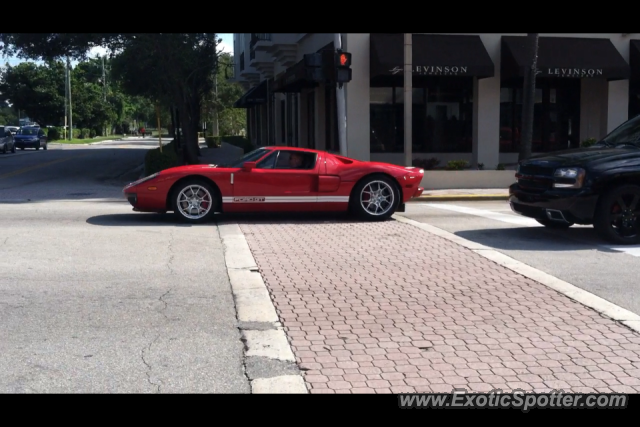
(341, 104)
(70, 109)
(104, 93)
(66, 101)
(408, 98)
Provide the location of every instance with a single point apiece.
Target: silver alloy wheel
(191, 200)
(377, 198)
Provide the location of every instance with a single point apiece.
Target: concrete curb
(262, 333)
(461, 198)
(604, 307)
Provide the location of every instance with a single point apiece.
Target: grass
(87, 140)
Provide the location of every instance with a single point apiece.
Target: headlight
(140, 181)
(569, 177)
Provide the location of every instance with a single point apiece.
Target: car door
(43, 138)
(275, 185)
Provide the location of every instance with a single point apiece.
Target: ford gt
(278, 179)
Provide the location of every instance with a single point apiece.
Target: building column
(357, 97)
(618, 103)
(321, 142)
(486, 122)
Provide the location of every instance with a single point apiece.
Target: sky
(225, 46)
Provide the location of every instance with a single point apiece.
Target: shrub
(456, 165)
(155, 161)
(500, 167)
(54, 134)
(588, 142)
(426, 164)
(212, 141)
(92, 133)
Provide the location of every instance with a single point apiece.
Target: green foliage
(456, 165)
(238, 141)
(588, 142)
(38, 90)
(155, 161)
(231, 121)
(54, 133)
(500, 167)
(8, 116)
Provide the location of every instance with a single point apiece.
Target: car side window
(296, 160)
(268, 162)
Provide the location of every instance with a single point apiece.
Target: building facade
(467, 93)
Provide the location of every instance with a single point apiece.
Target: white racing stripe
(518, 220)
(286, 199)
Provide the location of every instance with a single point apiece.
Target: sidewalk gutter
(460, 197)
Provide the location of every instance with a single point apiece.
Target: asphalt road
(95, 298)
(575, 255)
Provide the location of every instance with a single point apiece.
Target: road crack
(166, 305)
(149, 367)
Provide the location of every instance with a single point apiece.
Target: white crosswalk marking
(520, 220)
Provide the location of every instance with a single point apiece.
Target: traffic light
(342, 67)
(314, 63)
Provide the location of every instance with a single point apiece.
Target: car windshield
(627, 133)
(252, 156)
(28, 131)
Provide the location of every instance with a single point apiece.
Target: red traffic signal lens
(344, 59)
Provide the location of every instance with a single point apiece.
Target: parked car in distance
(277, 179)
(6, 140)
(31, 137)
(12, 129)
(597, 185)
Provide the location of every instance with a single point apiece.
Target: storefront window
(556, 121)
(442, 117)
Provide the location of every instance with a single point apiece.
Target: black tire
(37, 147)
(45, 146)
(22, 148)
(4, 149)
(554, 224)
(389, 188)
(176, 194)
(13, 148)
(609, 216)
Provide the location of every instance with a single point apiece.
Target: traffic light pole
(341, 105)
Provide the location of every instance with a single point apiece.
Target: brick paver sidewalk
(387, 307)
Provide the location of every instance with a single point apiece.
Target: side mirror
(248, 166)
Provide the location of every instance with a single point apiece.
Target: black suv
(598, 185)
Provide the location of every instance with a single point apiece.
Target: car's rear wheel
(45, 146)
(13, 148)
(375, 198)
(617, 217)
(4, 149)
(194, 201)
(554, 224)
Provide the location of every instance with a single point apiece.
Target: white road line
(518, 220)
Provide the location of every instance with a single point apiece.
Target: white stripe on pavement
(518, 220)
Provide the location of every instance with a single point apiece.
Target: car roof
(304, 150)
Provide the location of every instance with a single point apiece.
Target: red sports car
(272, 179)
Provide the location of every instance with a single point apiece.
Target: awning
(572, 57)
(433, 55)
(634, 60)
(294, 79)
(254, 96)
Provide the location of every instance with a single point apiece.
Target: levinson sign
(434, 70)
(571, 72)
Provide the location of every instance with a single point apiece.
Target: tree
(38, 90)
(529, 97)
(172, 68)
(231, 121)
(8, 115)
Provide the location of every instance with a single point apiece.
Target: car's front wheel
(194, 201)
(554, 224)
(617, 217)
(375, 198)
